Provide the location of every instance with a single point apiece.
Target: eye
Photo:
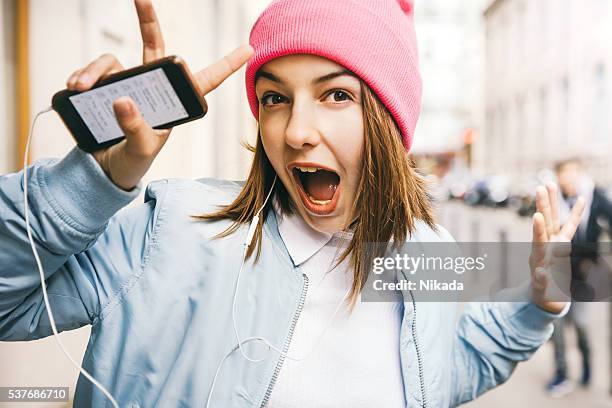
(340, 95)
(272, 99)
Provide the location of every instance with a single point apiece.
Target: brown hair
(391, 194)
(560, 164)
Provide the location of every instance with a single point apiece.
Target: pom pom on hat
(406, 5)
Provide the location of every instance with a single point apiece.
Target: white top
(356, 363)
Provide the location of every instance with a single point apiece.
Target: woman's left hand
(547, 256)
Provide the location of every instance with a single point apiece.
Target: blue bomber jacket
(157, 292)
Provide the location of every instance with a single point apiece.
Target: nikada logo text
(424, 285)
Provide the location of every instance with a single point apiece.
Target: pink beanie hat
(375, 39)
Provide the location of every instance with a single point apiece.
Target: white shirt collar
(301, 240)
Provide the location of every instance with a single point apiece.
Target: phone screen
(151, 91)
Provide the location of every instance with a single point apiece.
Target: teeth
(313, 170)
(308, 169)
(319, 202)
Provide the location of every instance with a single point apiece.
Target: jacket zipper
(296, 315)
(418, 352)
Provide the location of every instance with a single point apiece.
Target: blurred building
(548, 65)
(451, 47)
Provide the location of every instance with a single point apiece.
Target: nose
(301, 129)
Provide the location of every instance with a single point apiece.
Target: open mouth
(318, 188)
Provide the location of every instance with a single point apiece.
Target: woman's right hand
(127, 162)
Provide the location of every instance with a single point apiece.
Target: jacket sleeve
(88, 248)
(491, 338)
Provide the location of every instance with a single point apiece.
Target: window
(520, 126)
(601, 122)
(565, 111)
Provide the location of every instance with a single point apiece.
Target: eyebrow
(324, 78)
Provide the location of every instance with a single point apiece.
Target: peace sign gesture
(550, 249)
(127, 162)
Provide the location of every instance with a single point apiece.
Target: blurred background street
(511, 87)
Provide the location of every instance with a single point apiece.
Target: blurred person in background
(573, 182)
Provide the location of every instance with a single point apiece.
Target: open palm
(550, 243)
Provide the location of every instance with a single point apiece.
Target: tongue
(321, 184)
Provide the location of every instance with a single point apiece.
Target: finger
(150, 31)
(553, 195)
(539, 228)
(211, 77)
(140, 137)
(106, 64)
(543, 205)
(71, 82)
(569, 228)
(540, 237)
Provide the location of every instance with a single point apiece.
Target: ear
(406, 5)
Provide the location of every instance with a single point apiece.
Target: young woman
(335, 88)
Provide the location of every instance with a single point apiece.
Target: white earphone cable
(250, 234)
(238, 346)
(247, 243)
(41, 270)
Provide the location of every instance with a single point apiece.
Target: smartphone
(163, 90)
